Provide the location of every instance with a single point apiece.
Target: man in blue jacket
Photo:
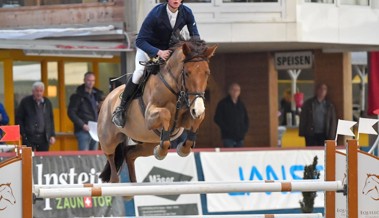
(153, 40)
(4, 119)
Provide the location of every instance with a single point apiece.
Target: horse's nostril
(193, 111)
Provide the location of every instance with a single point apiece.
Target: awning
(28, 34)
(53, 42)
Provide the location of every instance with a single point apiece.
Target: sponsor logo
(82, 202)
(371, 187)
(6, 196)
(256, 173)
(159, 175)
(71, 176)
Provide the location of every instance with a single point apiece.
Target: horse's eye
(186, 74)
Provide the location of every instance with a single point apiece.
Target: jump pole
(188, 188)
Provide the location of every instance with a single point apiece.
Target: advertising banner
(10, 189)
(255, 166)
(368, 185)
(76, 169)
(172, 169)
(341, 200)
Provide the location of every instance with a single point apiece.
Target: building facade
(249, 34)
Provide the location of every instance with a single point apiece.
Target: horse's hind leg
(132, 153)
(114, 176)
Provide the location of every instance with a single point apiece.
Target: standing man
(36, 119)
(84, 107)
(318, 118)
(231, 116)
(153, 40)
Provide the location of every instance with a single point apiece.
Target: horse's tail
(118, 159)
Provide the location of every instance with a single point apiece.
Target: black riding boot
(118, 117)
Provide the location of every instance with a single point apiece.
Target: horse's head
(371, 183)
(6, 193)
(194, 72)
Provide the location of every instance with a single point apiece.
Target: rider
(153, 40)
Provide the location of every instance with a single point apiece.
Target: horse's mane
(374, 175)
(196, 45)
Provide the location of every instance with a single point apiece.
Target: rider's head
(174, 4)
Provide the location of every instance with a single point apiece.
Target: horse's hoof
(156, 153)
(115, 179)
(180, 152)
(127, 198)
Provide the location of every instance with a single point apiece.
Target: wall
(62, 15)
(258, 80)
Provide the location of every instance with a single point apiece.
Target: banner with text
(172, 169)
(77, 169)
(368, 185)
(258, 165)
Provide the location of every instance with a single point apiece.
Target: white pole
(361, 70)
(302, 215)
(188, 188)
(294, 74)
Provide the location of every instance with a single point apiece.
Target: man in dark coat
(153, 40)
(84, 107)
(231, 116)
(318, 120)
(36, 119)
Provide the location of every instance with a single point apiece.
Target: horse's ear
(209, 52)
(186, 49)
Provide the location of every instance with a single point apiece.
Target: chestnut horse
(172, 102)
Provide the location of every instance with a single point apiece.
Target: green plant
(310, 172)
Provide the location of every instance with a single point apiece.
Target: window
(355, 2)
(244, 1)
(191, 1)
(24, 75)
(320, 1)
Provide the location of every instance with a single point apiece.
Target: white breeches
(138, 72)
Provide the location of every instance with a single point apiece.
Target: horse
(6, 196)
(172, 102)
(371, 186)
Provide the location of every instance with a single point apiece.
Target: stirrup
(118, 117)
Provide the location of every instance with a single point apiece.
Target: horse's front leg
(159, 118)
(184, 149)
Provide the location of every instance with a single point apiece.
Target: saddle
(152, 67)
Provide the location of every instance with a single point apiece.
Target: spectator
(36, 119)
(84, 107)
(231, 116)
(318, 118)
(285, 107)
(4, 119)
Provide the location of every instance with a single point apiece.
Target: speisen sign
(293, 60)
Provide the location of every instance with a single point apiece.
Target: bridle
(183, 95)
